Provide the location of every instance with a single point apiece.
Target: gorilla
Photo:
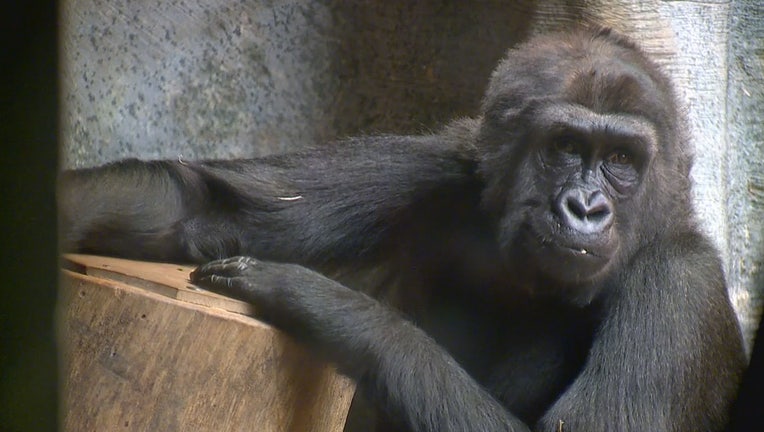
(537, 267)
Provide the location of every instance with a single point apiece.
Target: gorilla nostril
(583, 211)
(598, 205)
(576, 207)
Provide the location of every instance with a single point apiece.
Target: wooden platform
(144, 350)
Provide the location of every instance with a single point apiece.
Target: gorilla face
(584, 167)
(567, 154)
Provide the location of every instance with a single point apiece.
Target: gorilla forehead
(574, 116)
(610, 85)
(596, 69)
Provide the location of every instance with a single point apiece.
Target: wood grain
(170, 280)
(137, 356)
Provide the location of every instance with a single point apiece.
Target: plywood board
(138, 357)
(170, 280)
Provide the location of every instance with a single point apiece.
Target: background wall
(222, 79)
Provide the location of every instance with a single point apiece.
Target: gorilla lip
(580, 251)
(559, 257)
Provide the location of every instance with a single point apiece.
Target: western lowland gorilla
(536, 267)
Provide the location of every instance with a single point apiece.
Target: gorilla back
(546, 251)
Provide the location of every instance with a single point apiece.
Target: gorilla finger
(238, 259)
(215, 282)
(229, 267)
(235, 287)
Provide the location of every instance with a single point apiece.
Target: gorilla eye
(619, 157)
(565, 144)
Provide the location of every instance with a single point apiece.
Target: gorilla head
(582, 149)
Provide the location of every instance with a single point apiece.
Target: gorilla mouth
(570, 264)
(574, 252)
(565, 256)
(581, 251)
(567, 241)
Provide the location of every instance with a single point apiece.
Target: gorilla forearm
(402, 369)
(653, 364)
(129, 208)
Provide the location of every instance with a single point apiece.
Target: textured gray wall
(743, 184)
(161, 79)
(228, 78)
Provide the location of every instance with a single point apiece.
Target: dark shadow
(748, 411)
(28, 377)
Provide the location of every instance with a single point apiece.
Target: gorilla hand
(287, 295)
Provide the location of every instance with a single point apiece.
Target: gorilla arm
(668, 354)
(404, 371)
(660, 361)
(336, 203)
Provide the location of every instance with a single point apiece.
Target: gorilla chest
(524, 355)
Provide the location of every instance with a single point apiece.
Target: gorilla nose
(587, 212)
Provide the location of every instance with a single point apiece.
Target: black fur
(548, 246)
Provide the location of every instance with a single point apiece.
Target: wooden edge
(166, 279)
(69, 277)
